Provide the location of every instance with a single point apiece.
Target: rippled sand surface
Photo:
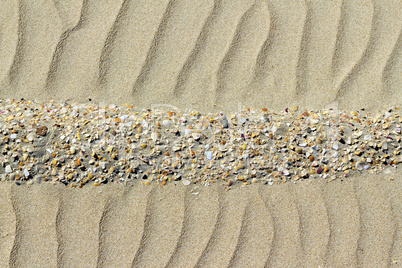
(210, 56)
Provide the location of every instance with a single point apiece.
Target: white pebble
(9, 169)
(30, 137)
(208, 154)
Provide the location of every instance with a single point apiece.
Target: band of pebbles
(77, 144)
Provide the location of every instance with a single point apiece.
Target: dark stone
(41, 131)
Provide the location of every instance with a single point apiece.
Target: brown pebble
(41, 131)
(320, 170)
(311, 158)
(229, 183)
(113, 132)
(164, 182)
(78, 162)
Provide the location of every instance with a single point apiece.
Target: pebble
(30, 137)
(8, 169)
(41, 131)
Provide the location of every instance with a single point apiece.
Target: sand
(209, 56)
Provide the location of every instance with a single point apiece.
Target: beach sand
(208, 56)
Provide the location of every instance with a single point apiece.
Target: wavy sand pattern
(354, 223)
(208, 55)
(204, 55)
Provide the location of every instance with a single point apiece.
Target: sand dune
(207, 56)
(350, 223)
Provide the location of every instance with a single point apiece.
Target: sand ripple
(208, 56)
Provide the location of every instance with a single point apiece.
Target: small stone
(320, 170)
(229, 183)
(225, 123)
(90, 176)
(294, 108)
(30, 137)
(9, 169)
(359, 165)
(54, 162)
(196, 136)
(96, 184)
(110, 148)
(72, 150)
(326, 168)
(25, 157)
(384, 145)
(311, 158)
(144, 145)
(208, 154)
(41, 131)
(299, 150)
(78, 162)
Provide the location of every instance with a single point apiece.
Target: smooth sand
(210, 56)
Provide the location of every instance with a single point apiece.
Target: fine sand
(314, 223)
(209, 56)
